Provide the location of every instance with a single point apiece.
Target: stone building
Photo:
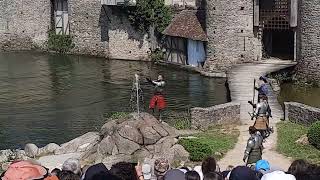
(249, 30)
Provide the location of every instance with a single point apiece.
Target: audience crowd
(160, 170)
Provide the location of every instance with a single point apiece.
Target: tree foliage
(148, 12)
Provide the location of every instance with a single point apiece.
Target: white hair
(72, 165)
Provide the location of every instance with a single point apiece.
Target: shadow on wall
(112, 19)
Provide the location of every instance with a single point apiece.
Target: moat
(52, 98)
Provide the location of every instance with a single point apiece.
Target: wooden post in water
(137, 92)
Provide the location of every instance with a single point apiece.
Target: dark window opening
(279, 43)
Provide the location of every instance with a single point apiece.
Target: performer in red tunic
(157, 100)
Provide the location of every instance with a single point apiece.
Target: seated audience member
(192, 175)
(25, 170)
(68, 175)
(212, 176)
(72, 165)
(298, 167)
(124, 171)
(242, 173)
(278, 175)
(55, 172)
(209, 165)
(199, 171)
(174, 174)
(98, 172)
(161, 166)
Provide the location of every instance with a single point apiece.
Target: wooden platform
(241, 79)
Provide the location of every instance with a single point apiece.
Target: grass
(288, 133)
(216, 142)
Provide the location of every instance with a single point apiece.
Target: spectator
(277, 175)
(161, 166)
(25, 170)
(212, 176)
(192, 175)
(124, 171)
(55, 172)
(174, 174)
(242, 173)
(72, 165)
(199, 171)
(298, 167)
(98, 172)
(209, 165)
(68, 175)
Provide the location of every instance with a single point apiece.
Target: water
(305, 95)
(50, 98)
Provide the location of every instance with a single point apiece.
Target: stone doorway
(279, 43)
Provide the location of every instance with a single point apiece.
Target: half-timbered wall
(176, 50)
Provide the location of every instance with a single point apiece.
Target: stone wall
(301, 113)
(231, 34)
(124, 41)
(24, 24)
(308, 41)
(88, 25)
(203, 118)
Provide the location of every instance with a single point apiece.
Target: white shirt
(278, 175)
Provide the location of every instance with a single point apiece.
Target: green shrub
(198, 150)
(118, 115)
(60, 43)
(314, 134)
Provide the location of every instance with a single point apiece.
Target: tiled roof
(186, 25)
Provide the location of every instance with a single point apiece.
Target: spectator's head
(25, 170)
(55, 172)
(277, 175)
(264, 79)
(209, 165)
(298, 167)
(161, 166)
(72, 165)
(212, 176)
(262, 165)
(174, 174)
(68, 175)
(241, 173)
(124, 171)
(252, 130)
(192, 175)
(97, 172)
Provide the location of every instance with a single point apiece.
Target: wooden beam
(294, 13)
(256, 10)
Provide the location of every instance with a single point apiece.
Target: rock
(5, 155)
(80, 144)
(21, 155)
(131, 133)
(48, 149)
(141, 154)
(31, 150)
(90, 156)
(150, 136)
(160, 130)
(125, 146)
(108, 128)
(110, 160)
(166, 143)
(180, 153)
(172, 131)
(106, 146)
(303, 140)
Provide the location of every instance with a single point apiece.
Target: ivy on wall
(147, 13)
(60, 43)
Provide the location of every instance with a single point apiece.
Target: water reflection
(51, 98)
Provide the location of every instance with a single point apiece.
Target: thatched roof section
(186, 24)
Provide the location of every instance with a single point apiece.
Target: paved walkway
(241, 88)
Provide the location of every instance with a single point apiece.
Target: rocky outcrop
(135, 138)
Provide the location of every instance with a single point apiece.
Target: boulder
(180, 153)
(20, 155)
(166, 143)
(110, 160)
(31, 150)
(171, 130)
(90, 156)
(141, 154)
(80, 144)
(160, 130)
(106, 146)
(131, 133)
(48, 149)
(125, 146)
(108, 128)
(5, 155)
(150, 136)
